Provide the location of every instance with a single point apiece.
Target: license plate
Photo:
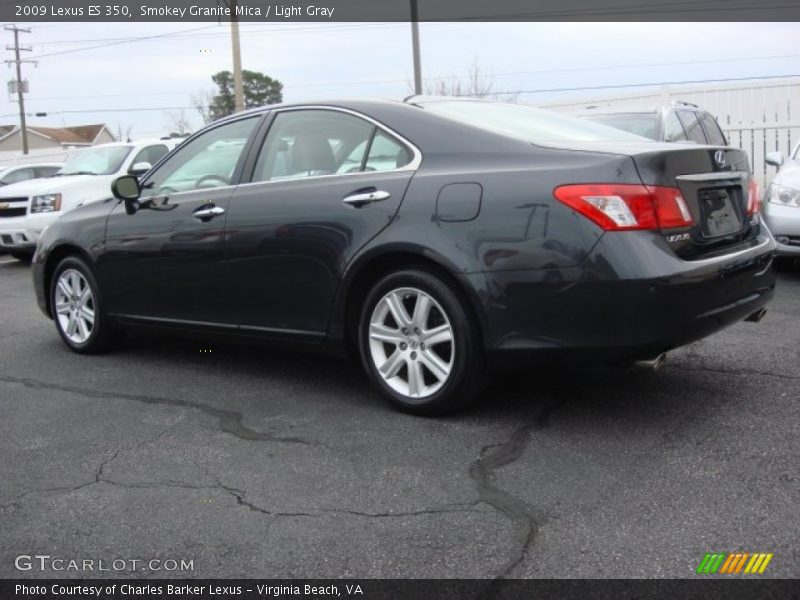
(719, 216)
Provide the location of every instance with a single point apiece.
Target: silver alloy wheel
(75, 307)
(411, 342)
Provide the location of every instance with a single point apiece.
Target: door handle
(206, 214)
(362, 198)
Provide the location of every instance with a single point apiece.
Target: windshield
(96, 161)
(644, 124)
(527, 123)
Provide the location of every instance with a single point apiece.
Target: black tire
(467, 377)
(23, 256)
(103, 336)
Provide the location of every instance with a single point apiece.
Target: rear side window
(386, 153)
(150, 154)
(311, 143)
(644, 124)
(694, 131)
(673, 130)
(315, 142)
(713, 131)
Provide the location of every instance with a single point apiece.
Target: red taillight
(626, 207)
(753, 198)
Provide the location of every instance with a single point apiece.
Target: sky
(95, 73)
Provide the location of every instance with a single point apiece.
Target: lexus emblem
(720, 157)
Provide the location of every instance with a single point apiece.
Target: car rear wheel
(419, 344)
(77, 308)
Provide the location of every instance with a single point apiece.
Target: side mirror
(140, 168)
(127, 189)
(774, 158)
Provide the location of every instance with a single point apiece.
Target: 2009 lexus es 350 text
(438, 239)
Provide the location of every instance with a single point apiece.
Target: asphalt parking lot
(261, 463)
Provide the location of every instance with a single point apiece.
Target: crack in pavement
(239, 495)
(229, 421)
(98, 474)
(447, 508)
(525, 518)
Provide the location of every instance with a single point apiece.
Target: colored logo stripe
(724, 563)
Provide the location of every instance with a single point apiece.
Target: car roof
(31, 164)
(135, 143)
(356, 104)
(622, 110)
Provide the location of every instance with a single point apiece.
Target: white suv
(27, 208)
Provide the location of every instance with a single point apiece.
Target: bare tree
(203, 101)
(124, 135)
(179, 121)
(475, 84)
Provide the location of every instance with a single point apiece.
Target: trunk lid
(714, 183)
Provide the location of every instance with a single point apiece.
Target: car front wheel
(77, 308)
(419, 344)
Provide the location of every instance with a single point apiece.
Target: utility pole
(415, 46)
(20, 88)
(238, 85)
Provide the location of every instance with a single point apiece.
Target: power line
(180, 35)
(391, 81)
(565, 89)
(98, 110)
(632, 85)
(125, 41)
(258, 29)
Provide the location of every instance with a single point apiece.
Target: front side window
(694, 131)
(644, 124)
(46, 171)
(714, 133)
(673, 130)
(208, 161)
(311, 143)
(101, 160)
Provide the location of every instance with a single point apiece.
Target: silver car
(781, 208)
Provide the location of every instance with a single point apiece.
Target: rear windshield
(644, 124)
(525, 122)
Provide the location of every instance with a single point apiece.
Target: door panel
(166, 261)
(162, 262)
(289, 241)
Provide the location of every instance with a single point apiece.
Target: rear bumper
(631, 299)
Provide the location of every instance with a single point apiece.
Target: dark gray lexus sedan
(438, 239)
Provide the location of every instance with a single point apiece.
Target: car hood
(53, 185)
(788, 176)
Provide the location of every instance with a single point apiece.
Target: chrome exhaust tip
(757, 316)
(653, 364)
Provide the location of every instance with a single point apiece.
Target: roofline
(17, 128)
